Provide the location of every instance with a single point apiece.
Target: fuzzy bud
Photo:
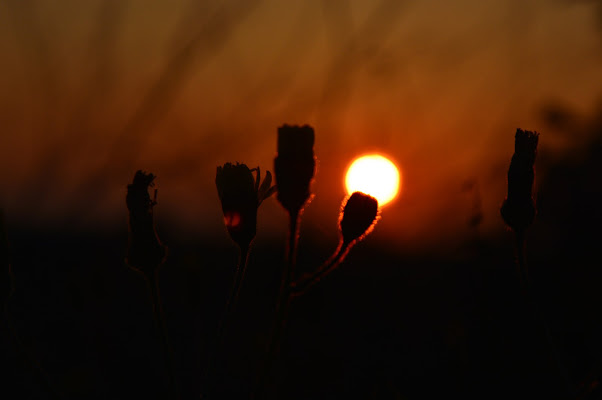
(360, 214)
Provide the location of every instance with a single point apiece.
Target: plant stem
(153, 283)
(29, 359)
(521, 262)
(239, 275)
(308, 281)
(282, 307)
(538, 316)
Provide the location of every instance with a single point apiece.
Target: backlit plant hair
(358, 217)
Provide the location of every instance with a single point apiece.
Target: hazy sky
(90, 91)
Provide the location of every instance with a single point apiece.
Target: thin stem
(29, 359)
(538, 316)
(239, 275)
(282, 307)
(153, 283)
(521, 261)
(308, 281)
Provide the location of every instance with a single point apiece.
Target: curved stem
(239, 275)
(29, 359)
(282, 306)
(153, 283)
(309, 280)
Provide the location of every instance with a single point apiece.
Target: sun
(374, 175)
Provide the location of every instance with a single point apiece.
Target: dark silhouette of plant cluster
(294, 168)
(241, 191)
(241, 194)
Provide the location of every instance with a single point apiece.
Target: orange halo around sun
(374, 175)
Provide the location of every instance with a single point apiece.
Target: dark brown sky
(91, 91)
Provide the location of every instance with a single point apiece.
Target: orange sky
(91, 91)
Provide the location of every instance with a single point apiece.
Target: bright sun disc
(374, 175)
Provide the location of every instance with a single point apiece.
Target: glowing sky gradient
(91, 91)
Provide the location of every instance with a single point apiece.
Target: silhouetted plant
(146, 254)
(518, 211)
(240, 195)
(294, 168)
(7, 289)
(358, 217)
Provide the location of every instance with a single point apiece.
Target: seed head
(145, 250)
(294, 165)
(359, 216)
(518, 209)
(240, 195)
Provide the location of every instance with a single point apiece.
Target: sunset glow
(374, 175)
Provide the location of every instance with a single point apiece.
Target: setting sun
(374, 175)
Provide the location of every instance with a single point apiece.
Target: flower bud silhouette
(294, 166)
(518, 209)
(145, 250)
(359, 216)
(240, 195)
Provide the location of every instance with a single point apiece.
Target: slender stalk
(28, 358)
(309, 280)
(521, 262)
(239, 275)
(282, 307)
(153, 283)
(537, 314)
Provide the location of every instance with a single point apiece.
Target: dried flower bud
(145, 250)
(6, 278)
(241, 194)
(360, 214)
(294, 165)
(518, 209)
